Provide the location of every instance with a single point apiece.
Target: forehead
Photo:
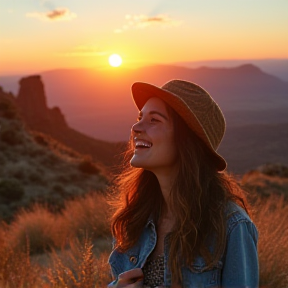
(155, 104)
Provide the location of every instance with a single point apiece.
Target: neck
(166, 183)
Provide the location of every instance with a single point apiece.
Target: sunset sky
(37, 35)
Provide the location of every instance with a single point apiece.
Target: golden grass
(86, 216)
(80, 268)
(271, 220)
(75, 264)
(264, 185)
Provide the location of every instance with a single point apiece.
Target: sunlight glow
(115, 60)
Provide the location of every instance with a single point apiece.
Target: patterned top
(153, 271)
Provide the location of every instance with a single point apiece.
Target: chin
(134, 162)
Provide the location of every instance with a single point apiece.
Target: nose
(137, 128)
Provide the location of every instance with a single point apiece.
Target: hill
(98, 103)
(36, 168)
(276, 67)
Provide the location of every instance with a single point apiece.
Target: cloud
(58, 14)
(84, 51)
(144, 21)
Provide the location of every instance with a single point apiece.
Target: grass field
(41, 249)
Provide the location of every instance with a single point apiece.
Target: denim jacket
(237, 268)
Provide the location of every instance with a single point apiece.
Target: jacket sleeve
(240, 261)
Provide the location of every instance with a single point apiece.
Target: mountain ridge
(100, 97)
(245, 146)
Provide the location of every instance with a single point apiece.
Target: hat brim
(141, 92)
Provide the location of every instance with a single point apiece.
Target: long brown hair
(198, 200)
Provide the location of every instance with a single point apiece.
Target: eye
(154, 120)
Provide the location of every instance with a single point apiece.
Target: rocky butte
(32, 104)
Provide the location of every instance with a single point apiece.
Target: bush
(36, 177)
(11, 137)
(274, 170)
(87, 216)
(80, 268)
(7, 109)
(11, 190)
(35, 229)
(87, 166)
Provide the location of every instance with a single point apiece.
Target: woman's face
(154, 145)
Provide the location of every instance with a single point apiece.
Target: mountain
(31, 101)
(276, 67)
(98, 103)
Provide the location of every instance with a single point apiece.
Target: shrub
(86, 216)
(11, 137)
(34, 228)
(59, 190)
(263, 185)
(11, 190)
(49, 159)
(7, 109)
(81, 268)
(41, 138)
(87, 166)
(274, 170)
(36, 177)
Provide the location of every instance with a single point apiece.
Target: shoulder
(237, 216)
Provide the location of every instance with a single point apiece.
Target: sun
(115, 60)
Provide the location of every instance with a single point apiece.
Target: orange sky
(42, 34)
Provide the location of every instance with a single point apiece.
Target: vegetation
(44, 249)
(70, 249)
(36, 168)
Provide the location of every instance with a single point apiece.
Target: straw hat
(197, 108)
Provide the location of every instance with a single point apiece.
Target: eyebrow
(154, 112)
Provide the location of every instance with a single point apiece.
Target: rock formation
(32, 104)
(31, 101)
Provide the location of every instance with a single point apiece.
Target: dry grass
(80, 268)
(84, 221)
(16, 269)
(35, 228)
(42, 230)
(88, 214)
(271, 220)
(264, 185)
(73, 262)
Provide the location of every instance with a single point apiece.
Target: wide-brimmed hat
(197, 108)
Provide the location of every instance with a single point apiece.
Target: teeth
(140, 143)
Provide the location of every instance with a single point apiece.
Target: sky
(39, 35)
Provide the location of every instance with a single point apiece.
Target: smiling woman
(115, 60)
(180, 219)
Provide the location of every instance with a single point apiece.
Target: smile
(142, 144)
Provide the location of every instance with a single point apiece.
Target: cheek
(169, 147)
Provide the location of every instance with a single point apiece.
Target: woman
(180, 220)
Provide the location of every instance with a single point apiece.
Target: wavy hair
(198, 199)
